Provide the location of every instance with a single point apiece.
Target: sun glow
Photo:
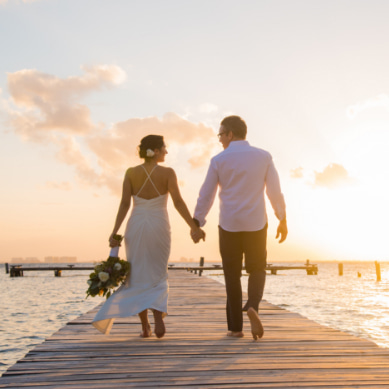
(351, 220)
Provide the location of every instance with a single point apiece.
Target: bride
(147, 240)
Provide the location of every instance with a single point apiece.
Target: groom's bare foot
(235, 334)
(159, 325)
(256, 325)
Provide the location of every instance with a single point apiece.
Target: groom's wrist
(196, 222)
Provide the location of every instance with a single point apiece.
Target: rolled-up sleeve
(207, 194)
(273, 191)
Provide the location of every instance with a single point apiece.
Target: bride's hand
(112, 241)
(197, 234)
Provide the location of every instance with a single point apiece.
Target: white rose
(89, 282)
(103, 276)
(117, 266)
(150, 153)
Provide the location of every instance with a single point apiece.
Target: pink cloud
(379, 101)
(59, 185)
(332, 176)
(46, 103)
(47, 109)
(115, 147)
(297, 172)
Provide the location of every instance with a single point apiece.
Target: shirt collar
(237, 144)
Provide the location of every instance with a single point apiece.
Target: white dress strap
(148, 179)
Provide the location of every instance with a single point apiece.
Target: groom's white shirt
(243, 173)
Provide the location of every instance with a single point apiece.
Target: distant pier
(295, 352)
(18, 270)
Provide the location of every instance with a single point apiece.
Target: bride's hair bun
(150, 142)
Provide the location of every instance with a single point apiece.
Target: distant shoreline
(196, 262)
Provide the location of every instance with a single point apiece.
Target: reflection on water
(38, 304)
(356, 305)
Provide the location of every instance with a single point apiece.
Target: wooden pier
(195, 353)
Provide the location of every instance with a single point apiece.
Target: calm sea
(38, 304)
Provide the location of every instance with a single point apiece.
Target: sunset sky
(81, 82)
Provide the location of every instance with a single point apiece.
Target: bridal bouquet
(109, 274)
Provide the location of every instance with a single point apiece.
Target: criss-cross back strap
(148, 179)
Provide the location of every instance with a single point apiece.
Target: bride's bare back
(138, 178)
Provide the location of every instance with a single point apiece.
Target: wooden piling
(6, 268)
(340, 267)
(201, 265)
(311, 269)
(16, 271)
(378, 270)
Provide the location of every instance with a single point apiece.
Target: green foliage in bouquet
(107, 276)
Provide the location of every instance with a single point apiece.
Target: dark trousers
(232, 247)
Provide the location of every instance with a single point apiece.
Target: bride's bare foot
(146, 331)
(256, 325)
(159, 325)
(235, 334)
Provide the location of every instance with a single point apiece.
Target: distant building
(17, 260)
(31, 260)
(186, 260)
(60, 259)
(25, 260)
(51, 259)
(68, 259)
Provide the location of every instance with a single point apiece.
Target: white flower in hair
(149, 153)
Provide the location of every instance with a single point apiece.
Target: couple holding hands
(242, 173)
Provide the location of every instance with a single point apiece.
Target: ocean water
(38, 304)
(356, 305)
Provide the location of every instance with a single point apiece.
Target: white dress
(147, 242)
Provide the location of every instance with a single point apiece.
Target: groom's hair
(236, 125)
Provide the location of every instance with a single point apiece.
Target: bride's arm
(124, 206)
(181, 207)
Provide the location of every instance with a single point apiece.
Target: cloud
(58, 185)
(47, 109)
(297, 172)
(114, 148)
(381, 101)
(47, 103)
(333, 175)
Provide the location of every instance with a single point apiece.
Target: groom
(242, 173)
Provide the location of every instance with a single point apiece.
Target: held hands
(282, 231)
(197, 234)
